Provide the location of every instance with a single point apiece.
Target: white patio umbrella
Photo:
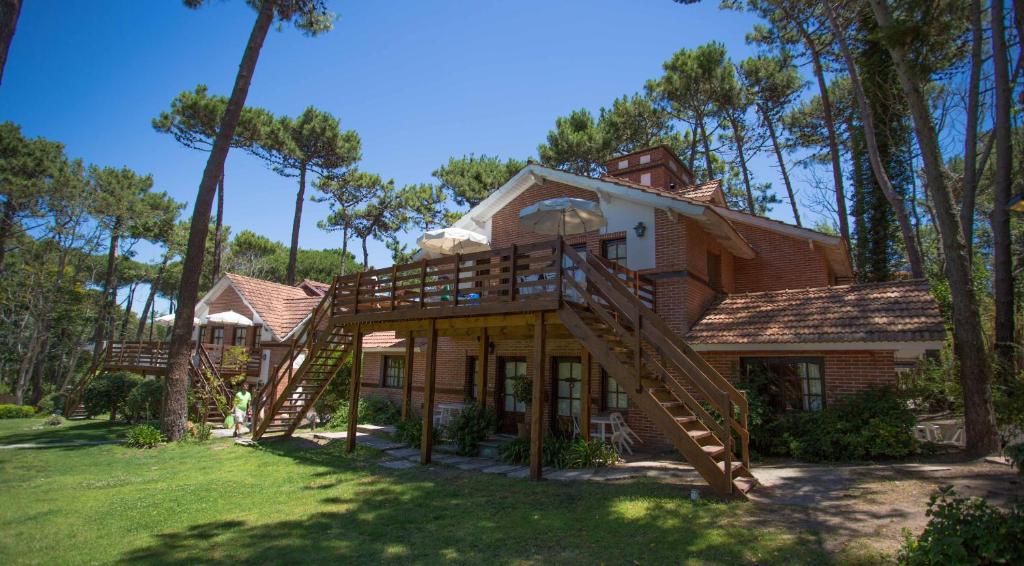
(229, 317)
(168, 320)
(562, 216)
(448, 241)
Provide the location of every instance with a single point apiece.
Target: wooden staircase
(200, 369)
(318, 354)
(662, 375)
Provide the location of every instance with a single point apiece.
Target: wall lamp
(640, 229)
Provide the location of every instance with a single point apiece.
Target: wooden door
(510, 411)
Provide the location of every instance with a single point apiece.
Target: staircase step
(686, 419)
(698, 434)
(735, 466)
(713, 450)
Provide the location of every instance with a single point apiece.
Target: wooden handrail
(646, 327)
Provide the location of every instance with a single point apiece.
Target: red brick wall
(782, 262)
(845, 372)
(663, 167)
(505, 229)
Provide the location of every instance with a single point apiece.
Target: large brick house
(659, 316)
(745, 291)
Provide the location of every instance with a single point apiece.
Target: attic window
(623, 164)
(645, 179)
(646, 158)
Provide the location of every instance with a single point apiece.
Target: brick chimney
(654, 167)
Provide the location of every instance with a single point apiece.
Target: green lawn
(289, 502)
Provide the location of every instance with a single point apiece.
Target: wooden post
(455, 280)
(537, 400)
(426, 443)
(585, 396)
(394, 284)
(481, 368)
(512, 276)
(559, 267)
(354, 383)
(410, 345)
(423, 282)
(359, 281)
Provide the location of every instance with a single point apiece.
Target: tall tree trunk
(970, 188)
(175, 407)
(738, 137)
(1001, 243)
(344, 250)
(693, 150)
(296, 223)
(218, 234)
(709, 168)
(969, 341)
(9, 11)
(6, 227)
(830, 126)
(366, 255)
(868, 123)
(109, 296)
(39, 370)
(769, 123)
(127, 311)
(153, 286)
(28, 362)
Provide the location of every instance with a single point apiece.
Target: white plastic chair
(619, 424)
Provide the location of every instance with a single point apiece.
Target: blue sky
(419, 81)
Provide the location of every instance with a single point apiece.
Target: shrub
(473, 425)
(109, 393)
(411, 432)
(379, 411)
(143, 403)
(516, 451)
(52, 403)
(871, 424)
(54, 420)
(1015, 452)
(591, 454)
(143, 436)
(560, 453)
(372, 410)
(966, 531)
(8, 411)
(200, 432)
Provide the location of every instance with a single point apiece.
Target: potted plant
(522, 390)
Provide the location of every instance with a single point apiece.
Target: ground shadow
(37, 432)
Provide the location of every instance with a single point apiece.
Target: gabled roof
(314, 288)
(705, 215)
(697, 203)
(279, 307)
(897, 311)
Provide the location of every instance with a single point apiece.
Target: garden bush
(473, 425)
(372, 410)
(52, 403)
(54, 420)
(410, 432)
(109, 392)
(143, 436)
(561, 453)
(591, 454)
(143, 403)
(1015, 452)
(966, 531)
(871, 424)
(199, 432)
(8, 411)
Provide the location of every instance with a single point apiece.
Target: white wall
(622, 216)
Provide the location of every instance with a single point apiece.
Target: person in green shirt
(240, 407)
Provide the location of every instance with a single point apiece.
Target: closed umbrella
(448, 241)
(229, 317)
(562, 216)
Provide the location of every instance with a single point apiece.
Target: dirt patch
(858, 507)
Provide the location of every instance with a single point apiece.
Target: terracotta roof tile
(280, 306)
(898, 311)
(702, 192)
(384, 339)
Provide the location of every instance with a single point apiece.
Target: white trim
(532, 174)
(901, 350)
(777, 226)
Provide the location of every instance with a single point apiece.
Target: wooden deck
(537, 291)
